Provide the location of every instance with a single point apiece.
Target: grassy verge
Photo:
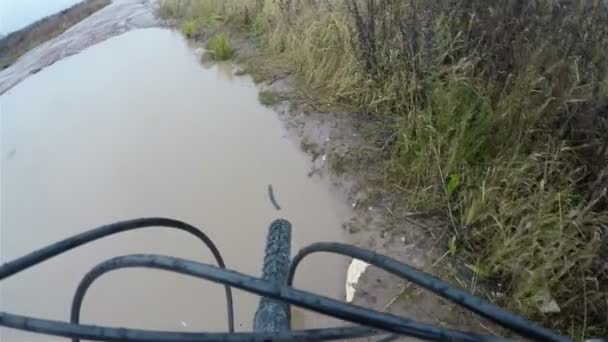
(492, 112)
(17, 43)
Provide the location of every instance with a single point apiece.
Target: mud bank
(327, 136)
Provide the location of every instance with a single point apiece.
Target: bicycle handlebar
(272, 319)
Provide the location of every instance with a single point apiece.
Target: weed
(219, 47)
(259, 28)
(268, 97)
(338, 163)
(190, 28)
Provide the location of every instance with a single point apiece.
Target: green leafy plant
(190, 28)
(479, 271)
(219, 47)
(453, 184)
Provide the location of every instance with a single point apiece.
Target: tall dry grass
(493, 111)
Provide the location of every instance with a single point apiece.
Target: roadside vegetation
(268, 97)
(219, 47)
(493, 113)
(17, 43)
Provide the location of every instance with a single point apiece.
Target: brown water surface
(135, 127)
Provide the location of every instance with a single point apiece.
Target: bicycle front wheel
(273, 316)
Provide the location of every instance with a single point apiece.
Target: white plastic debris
(549, 305)
(355, 270)
(324, 157)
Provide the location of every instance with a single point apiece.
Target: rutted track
(117, 18)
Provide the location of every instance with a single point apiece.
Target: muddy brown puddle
(136, 127)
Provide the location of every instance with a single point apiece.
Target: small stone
(238, 71)
(349, 227)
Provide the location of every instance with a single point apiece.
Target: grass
(491, 112)
(16, 44)
(190, 28)
(268, 97)
(219, 46)
(196, 16)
